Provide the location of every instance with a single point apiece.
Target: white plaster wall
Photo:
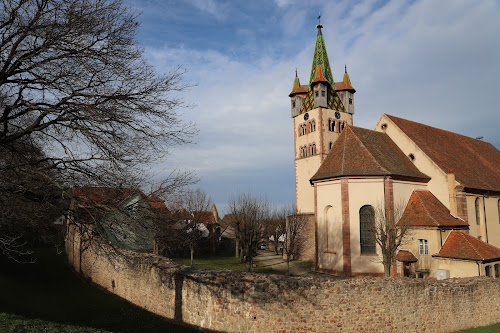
(411, 242)
(305, 168)
(491, 227)
(403, 190)
(329, 219)
(364, 192)
(493, 220)
(438, 184)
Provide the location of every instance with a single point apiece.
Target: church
(443, 187)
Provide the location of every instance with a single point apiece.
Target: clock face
(306, 116)
(337, 114)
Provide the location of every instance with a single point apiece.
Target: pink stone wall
(243, 302)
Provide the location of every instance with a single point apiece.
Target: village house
(445, 185)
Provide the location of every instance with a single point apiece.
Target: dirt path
(269, 259)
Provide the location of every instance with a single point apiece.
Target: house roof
(475, 163)
(405, 255)
(425, 210)
(362, 152)
(206, 217)
(89, 196)
(460, 245)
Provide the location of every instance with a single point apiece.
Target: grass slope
(50, 290)
(16, 324)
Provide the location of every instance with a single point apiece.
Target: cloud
(432, 62)
(215, 8)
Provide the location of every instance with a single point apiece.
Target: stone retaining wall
(243, 302)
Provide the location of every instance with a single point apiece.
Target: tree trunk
(387, 268)
(237, 248)
(249, 264)
(192, 256)
(287, 265)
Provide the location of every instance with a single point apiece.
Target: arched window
(313, 126)
(367, 230)
(304, 130)
(313, 149)
(330, 124)
(331, 145)
(478, 217)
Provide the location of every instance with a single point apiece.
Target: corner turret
(346, 92)
(298, 95)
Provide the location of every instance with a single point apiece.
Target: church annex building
(445, 185)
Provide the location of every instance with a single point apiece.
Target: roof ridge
(441, 129)
(471, 245)
(369, 152)
(427, 211)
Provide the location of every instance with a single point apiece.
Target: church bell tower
(320, 111)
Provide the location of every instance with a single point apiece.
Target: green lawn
(13, 324)
(225, 263)
(50, 290)
(484, 329)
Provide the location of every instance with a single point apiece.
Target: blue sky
(435, 62)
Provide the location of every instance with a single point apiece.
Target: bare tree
(74, 84)
(197, 202)
(295, 237)
(389, 234)
(276, 228)
(249, 215)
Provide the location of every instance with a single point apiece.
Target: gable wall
(489, 227)
(438, 184)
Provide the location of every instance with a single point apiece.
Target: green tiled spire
(320, 59)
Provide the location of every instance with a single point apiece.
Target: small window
(478, 216)
(423, 249)
(317, 93)
(487, 270)
(384, 126)
(322, 93)
(313, 149)
(350, 100)
(412, 157)
(479, 237)
(293, 104)
(331, 145)
(497, 270)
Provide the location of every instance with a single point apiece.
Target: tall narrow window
(313, 149)
(423, 249)
(350, 100)
(487, 270)
(293, 104)
(322, 93)
(317, 93)
(329, 124)
(497, 270)
(304, 129)
(331, 145)
(367, 230)
(499, 211)
(478, 217)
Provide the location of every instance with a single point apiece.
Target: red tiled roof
(345, 84)
(101, 195)
(298, 88)
(425, 210)
(319, 76)
(460, 245)
(362, 152)
(405, 255)
(476, 163)
(206, 217)
(157, 203)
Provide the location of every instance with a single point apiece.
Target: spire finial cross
(295, 72)
(346, 68)
(319, 26)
